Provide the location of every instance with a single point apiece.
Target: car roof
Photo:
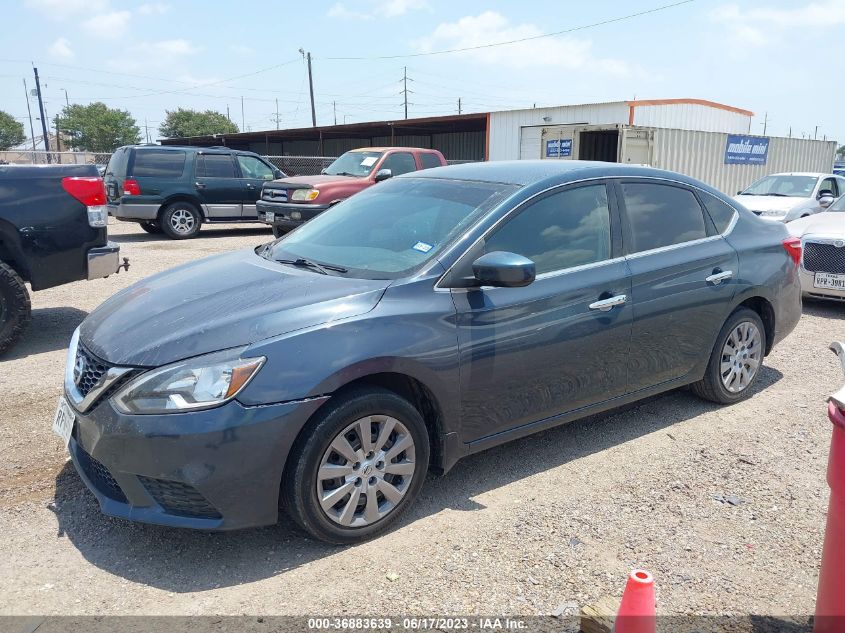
(814, 174)
(194, 148)
(384, 149)
(529, 172)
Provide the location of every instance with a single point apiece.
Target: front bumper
(218, 469)
(282, 213)
(103, 261)
(807, 288)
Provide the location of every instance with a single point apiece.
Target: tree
(181, 122)
(11, 131)
(97, 128)
(841, 152)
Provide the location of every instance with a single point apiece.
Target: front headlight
(304, 195)
(197, 383)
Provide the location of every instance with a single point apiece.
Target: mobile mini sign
(558, 147)
(746, 150)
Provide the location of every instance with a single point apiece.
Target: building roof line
(688, 101)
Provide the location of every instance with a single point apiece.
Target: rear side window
(720, 212)
(661, 215)
(400, 163)
(215, 166)
(565, 229)
(430, 160)
(159, 164)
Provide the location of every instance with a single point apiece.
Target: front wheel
(736, 359)
(357, 466)
(15, 307)
(180, 221)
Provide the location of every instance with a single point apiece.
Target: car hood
(831, 224)
(313, 181)
(770, 203)
(217, 303)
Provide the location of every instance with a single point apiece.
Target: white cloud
(491, 27)
(156, 54)
(61, 9)
(154, 8)
(339, 10)
(176, 47)
(758, 26)
(392, 8)
(61, 49)
(198, 81)
(242, 49)
(379, 9)
(110, 25)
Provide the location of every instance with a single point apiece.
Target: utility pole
(243, 119)
(334, 109)
(29, 112)
(227, 113)
(765, 123)
(307, 57)
(43, 117)
(67, 99)
(277, 113)
(147, 129)
(459, 105)
(816, 134)
(405, 90)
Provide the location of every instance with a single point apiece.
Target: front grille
(87, 370)
(824, 258)
(181, 499)
(275, 195)
(99, 476)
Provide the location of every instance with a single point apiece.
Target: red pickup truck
(288, 202)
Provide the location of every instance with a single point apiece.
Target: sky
(779, 59)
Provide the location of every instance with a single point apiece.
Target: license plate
(63, 422)
(270, 216)
(830, 281)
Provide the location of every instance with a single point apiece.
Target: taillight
(131, 187)
(792, 245)
(91, 192)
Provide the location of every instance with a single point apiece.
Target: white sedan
(822, 236)
(787, 197)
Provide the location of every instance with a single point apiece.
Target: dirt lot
(558, 517)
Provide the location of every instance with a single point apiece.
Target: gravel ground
(725, 506)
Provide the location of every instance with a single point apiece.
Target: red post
(830, 601)
(637, 610)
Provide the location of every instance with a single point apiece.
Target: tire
(180, 221)
(314, 450)
(278, 231)
(15, 307)
(150, 227)
(730, 388)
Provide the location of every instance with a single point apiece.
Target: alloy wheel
(366, 471)
(741, 357)
(182, 221)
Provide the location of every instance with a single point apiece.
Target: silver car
(822, 235)
(789, 196)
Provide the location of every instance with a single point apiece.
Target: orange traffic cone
(637, 610)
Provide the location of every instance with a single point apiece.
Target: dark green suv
(174, 190)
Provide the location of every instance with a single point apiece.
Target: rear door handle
(199, 185)
(606, 305)
(717, 278)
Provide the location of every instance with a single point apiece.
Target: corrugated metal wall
(507, 128)
(702, 155)
(691, 116)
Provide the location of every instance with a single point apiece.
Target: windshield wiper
(779, 195)
(341, 173)
(323, 269)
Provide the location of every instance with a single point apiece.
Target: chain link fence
(291, 165)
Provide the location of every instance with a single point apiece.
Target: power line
(517, 41)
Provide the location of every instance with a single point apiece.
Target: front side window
(565, 229)
(661, 215)
(829, 184)
(399, 163)
(784, 186)
(388, 231)
(251, 167)
(215, 166)
(158, 164)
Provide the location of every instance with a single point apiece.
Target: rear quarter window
(159, 164)
(430, 160)
(720, 212)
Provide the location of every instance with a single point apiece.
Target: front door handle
(606, 305)
(719, 277)
(249, 185)
(199, 185)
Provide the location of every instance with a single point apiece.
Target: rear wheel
(357, 467)
(15, 307)
(150, 227)
(736, 359)
(181, 220)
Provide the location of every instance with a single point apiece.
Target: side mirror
(825, 201)
(739, 193)
(504, 270)
(323, 171)
(383, 174)
(278, 173)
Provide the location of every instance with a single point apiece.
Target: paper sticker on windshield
(369, 161)
(422, 247)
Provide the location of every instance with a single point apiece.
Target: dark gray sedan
(427, 318)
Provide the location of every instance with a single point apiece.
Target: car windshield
(392, 229)
(358, 164)
(790, 186)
